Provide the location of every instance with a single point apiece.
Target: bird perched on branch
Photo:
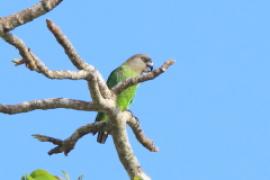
(134, 66)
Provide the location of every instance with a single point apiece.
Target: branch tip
(134, 123)
(43, 138)
(50, 24)
(18, 61)
(39, 137)
(171, 61)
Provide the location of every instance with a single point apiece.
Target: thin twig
(65, 146)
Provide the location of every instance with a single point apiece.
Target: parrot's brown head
(140, 63)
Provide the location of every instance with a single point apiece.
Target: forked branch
(33, 63)
(66, 44)
(76, 59)
(104, 99)
(65, 146)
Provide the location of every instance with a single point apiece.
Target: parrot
(40, 174)
(132, 67)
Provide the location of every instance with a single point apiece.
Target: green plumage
(124, 99)
(134, 66)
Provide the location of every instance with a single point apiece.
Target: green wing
(114, 78)
(124, 99)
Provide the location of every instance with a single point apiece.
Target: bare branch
(65, 146)
(123, 147)
(69, 49)
(149, 76)
(23, 50)
(76, 59)
(10, 22)
(104, 99)
(95, 91)
(33, 63)
(52, 140)
(44, 104)
(146, 142)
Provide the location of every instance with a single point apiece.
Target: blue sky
(209, 114)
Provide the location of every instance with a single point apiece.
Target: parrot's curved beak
(150, 66)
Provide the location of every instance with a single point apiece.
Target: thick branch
(10, 22)
(146, 142)
(123, 147)
(45, 104)
(65, 146)
(33, 63)
(149, 76)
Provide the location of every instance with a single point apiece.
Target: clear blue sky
(209, 114)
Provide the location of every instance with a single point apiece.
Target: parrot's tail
(102, 136)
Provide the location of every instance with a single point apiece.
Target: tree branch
(104, 99)
(69, 49)
(146, 77)
(44, 104)
(10, 22)
(95, 92)
(33, 63)
(65, 146)
(137, 130)
(123, 147)
(76, 59)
